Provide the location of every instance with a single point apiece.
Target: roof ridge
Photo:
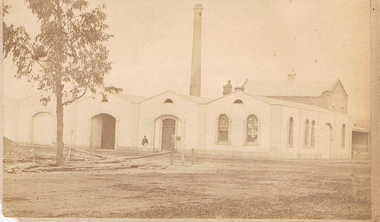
(286, 88)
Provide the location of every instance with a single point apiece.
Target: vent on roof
(168, 101)
(291, 77)
(238, 101)
(104, 100)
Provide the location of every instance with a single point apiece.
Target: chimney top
(291, 77)
(195, 80)
(227, 88)
(198, 10)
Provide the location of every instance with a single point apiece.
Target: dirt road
(212, 188)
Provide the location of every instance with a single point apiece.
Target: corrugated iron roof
(286, 103)
(286, 88)
(196, 99)
(130, 98)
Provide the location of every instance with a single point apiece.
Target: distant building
(288, 119)
(329, 95)
(361, 142)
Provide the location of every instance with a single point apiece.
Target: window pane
(223, 128)
(343, 136)
(223, 136)
(223, 121)
(252, 129)
(313, 134)
(307, 133)
(290, 131)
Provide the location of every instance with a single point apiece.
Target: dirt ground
(211, 188)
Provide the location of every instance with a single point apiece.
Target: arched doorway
(168, 134)
(103, 131)
(43, 129)
(327, 141)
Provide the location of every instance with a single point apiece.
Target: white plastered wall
(10, 120)
(237, 114)
(154, 110)
(124, 113)
(27, 109)
(321, 148)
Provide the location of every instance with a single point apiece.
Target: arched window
(290, 131)
(223, 123)
(306, 142)
(238, 101)
(252, 130)
(168, 101)
(313, 134)
(343, 136)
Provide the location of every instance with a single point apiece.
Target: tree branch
(70, 101)
(41, 65)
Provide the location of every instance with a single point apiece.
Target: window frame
(238, 101)
(168, 101)
(343, 137)
(290, 132)
(257, 142)
(306, 136)
(217, 135)
(313, 134)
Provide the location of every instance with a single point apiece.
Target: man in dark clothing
(145, 143)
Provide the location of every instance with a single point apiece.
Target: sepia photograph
(200, 109)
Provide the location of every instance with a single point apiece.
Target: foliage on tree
(67, 57)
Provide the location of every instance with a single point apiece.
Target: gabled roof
(286, 103)
(286, 88)
(127, 98)
(272, 101)
(130, 98)
(196, 99)
(14, 99)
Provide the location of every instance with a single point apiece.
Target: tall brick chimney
(195, 81)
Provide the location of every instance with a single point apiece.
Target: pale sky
(262, 40)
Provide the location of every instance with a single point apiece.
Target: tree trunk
(59, 88)
(60, 146)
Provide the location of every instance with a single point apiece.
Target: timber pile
(14, 152)
(89, 167)
(126, 159)
(76, 160)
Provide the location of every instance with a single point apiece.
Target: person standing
(145, 143)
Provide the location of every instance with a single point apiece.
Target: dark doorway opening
(168, 134)
(103, 131)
